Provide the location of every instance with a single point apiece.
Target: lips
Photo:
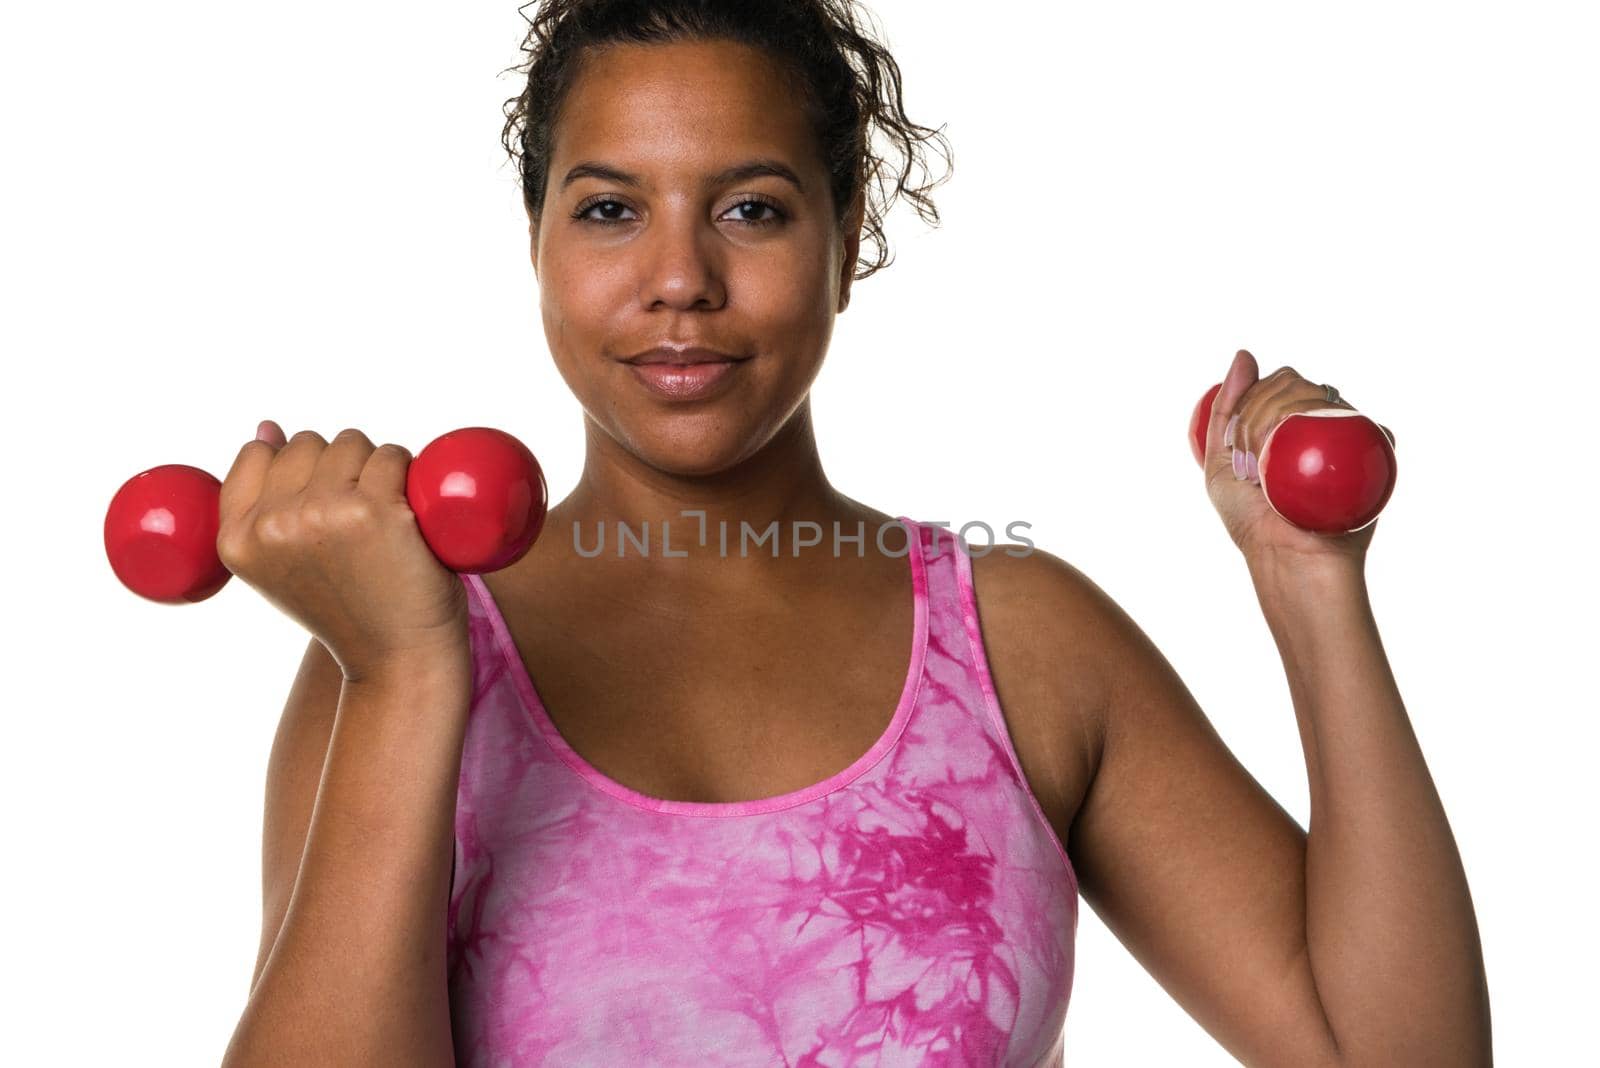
(687, 381)
(681, 356)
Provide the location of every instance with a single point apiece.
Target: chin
(692, 447)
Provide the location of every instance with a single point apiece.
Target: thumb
(271, 433)
(1242, 374)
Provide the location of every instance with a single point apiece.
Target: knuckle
(230, 548)
(352, 512)
(271, 527)
(336, 514)
(313, 514)
(306, 435)
(350, 433)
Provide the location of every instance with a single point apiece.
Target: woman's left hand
(1260, 404)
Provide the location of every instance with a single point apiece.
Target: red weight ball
(161, 534)
(479, 497)
(1198, 423)
(1328, 471)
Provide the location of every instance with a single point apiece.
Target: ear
(852, 246)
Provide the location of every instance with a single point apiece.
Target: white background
(217, 213)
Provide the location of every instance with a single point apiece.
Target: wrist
(1299, 575)
(405, 697)
(420, 670)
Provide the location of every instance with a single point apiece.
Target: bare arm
(356, 973)
(1391, 937)
(1352, 945)
(294, 770)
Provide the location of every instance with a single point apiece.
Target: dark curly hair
(846, 80)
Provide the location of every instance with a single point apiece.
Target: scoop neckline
(534, 707)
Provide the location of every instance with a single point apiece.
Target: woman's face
(752, 266)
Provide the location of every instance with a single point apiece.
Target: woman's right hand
(324, 532)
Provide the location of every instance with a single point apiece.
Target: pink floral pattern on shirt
(913, 909)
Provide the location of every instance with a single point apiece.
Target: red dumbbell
(1328, 471)
(478, 494)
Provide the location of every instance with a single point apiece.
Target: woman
(736, 821)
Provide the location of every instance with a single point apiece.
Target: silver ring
(1331, 394)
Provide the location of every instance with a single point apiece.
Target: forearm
(1391, 936)
(357, 975)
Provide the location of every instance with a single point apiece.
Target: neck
(782, 483)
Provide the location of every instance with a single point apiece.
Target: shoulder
(1047, 630)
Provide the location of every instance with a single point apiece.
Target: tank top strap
(940, 549)
(943, 558)
(958, 680)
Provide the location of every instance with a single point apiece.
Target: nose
(683, 268)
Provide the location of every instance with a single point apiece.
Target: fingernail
(261, 431)
(1227, 435)
(1252, 470)
(1238, 464)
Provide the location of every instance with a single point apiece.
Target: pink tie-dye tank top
(913, 909)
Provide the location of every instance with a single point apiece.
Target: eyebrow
(754, 168)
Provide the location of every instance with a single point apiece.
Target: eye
(582, 213)
(761, 202)
(583, 210)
